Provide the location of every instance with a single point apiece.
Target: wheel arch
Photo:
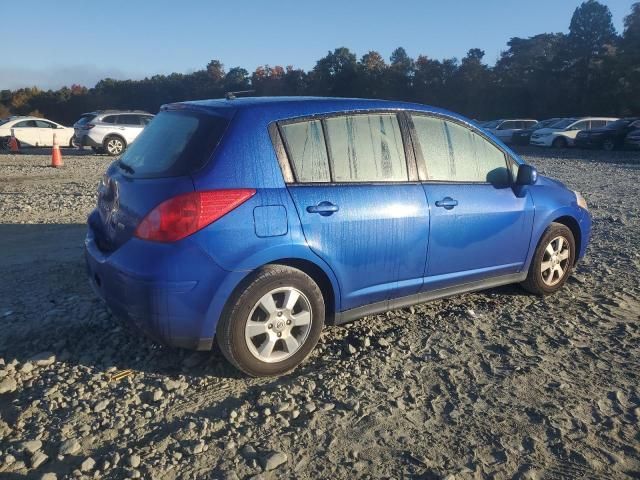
(573, 225)
(111, 135)
(320, 277)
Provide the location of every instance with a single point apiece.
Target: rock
(100, 406)
(383, 342)
(69, 447)
(9, 459)
(366, 342)
(49, 476)
(88, 465)
(38, 459)
(134, 461)
(157, 395)
(328, 406)
(171, 385)
(273, 460)
(32, 446)
(249, 452)
(310, 407)
(199, 447)
(27, 367)
(8, 385)
(43, 359)
(351, 350)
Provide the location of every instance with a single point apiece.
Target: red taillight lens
(185, 214)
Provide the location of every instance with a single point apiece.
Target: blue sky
(79, 41)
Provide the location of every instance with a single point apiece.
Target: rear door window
(129, 120)
(110, 119)
(366, 148)
(174, 144)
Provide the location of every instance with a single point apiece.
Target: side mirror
(527, 175)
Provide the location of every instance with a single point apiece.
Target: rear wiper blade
(125, 167)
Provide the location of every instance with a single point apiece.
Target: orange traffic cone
(13, 143)
(56, 156)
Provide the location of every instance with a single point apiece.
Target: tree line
(591, 70)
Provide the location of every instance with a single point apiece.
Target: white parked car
(35, 132)
(504, 129)
(564, 133)
(110, 131)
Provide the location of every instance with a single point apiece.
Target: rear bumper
(165, 291)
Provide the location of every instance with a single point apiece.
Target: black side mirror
(527, 175)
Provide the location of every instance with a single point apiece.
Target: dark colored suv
(610, 137)
(259, 220)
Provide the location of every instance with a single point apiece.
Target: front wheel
(552, 261)
(560, 142)
(273, 322)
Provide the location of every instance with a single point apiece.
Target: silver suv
(110, 131)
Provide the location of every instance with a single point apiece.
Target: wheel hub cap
(555, 261)
(278, 324)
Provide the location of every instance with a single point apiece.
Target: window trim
(284, 159)
(420, 160)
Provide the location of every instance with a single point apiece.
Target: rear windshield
(85, 119)
(173, 144)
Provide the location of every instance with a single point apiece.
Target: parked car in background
(255, 221)
(110, 131)
(563, 133)
(632, 140)
(610, 137)
(504, 129)
(35, 132)
(523, 137)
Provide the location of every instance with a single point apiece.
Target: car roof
(282, 107)
(106, 112)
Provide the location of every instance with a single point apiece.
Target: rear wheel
(273, 322)
(114, 145)
(560, 142)
(552, 261)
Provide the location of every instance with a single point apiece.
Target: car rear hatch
(155, 168)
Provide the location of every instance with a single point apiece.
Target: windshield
(4, 120)
(564, 123)
(546, 123)
(173, 144)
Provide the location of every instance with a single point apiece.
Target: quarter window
(454, 153)
(307, 151)
(366, 148)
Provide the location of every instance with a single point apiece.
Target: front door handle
(323, 208)
(447, 202)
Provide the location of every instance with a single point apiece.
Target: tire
(559, 142)
(546, 282)
(609, 145)
(71, 143)
(114, 145)
(242, 345)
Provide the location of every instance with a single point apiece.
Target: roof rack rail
(232, 95)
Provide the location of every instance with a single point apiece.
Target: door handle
(323, 208)
(447, 202)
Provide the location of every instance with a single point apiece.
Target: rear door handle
(447, 202)
(323, 208)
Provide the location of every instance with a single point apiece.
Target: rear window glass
(85, 119)
(174, 143)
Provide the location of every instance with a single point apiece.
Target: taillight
(185, 214)
(88, 126)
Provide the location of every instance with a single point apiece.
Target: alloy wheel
(278, 325)
(555, 262)
(115, 146)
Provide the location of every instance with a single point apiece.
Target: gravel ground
(498, 384)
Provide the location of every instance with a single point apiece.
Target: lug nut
(279, 334)
(288, 322)
(269, 326)
(279, 314)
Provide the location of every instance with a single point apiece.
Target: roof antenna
(232, 95)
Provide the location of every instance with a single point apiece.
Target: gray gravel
(497, 384)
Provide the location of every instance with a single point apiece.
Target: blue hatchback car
(256, 221)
